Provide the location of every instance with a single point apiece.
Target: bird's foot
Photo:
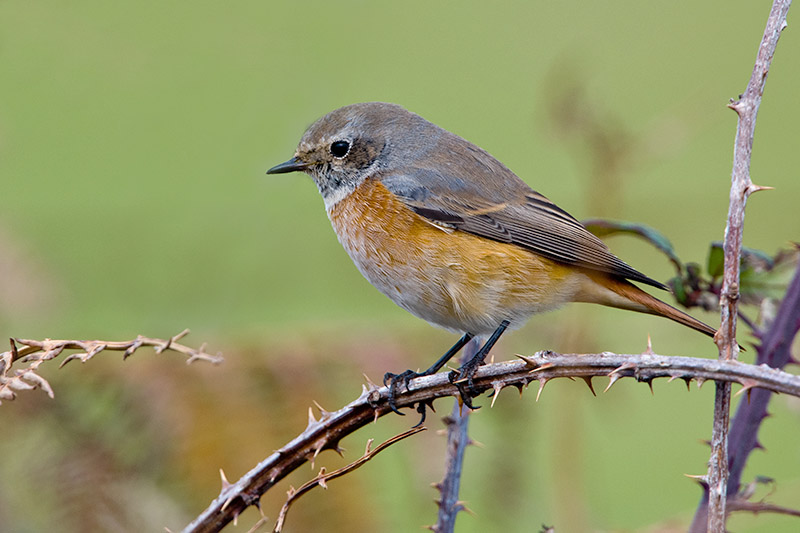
(394, 381)
(463, 380)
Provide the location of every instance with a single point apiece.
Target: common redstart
(451, 235)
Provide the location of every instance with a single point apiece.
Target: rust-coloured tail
(628, 296)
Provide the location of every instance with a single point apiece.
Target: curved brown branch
(327, 432)
(761, 507)
(322, 479)
(34, 353)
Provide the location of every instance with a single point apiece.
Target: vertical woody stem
(457, 442)
(741, 188)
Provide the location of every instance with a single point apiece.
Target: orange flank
(451, 278)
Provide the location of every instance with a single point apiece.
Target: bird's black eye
(340, 148)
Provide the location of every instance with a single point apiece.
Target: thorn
(756, 188)
(700, 382)
(369, 382)
(747, 386)
(588, 381)
(542, 383)
(650, 384)
(323, 413)
(496, 387)
(162, 347)
(227, 502)
(225, 482)
(622, 368)
(529, 361)
(365, 394)
(476, 443)
(688, 381)
(542, 367)
(612, 378)
(649, 349)
(133, 347)
(316, 453)
(702, 480)
(463, 507)
(460, 381)
(311, 419)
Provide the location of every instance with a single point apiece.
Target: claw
(422, 411)
(465, 386)
(392, 381)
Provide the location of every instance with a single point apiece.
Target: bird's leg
(463, 377)
(393, 380)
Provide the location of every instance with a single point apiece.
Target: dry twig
(324, 477)
(33, 354)
(760, 507)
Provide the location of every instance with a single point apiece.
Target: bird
(453, 236)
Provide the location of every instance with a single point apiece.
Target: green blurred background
(134, 138)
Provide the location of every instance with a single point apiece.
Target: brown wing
(515, 214)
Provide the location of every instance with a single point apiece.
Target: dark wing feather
(517, 215)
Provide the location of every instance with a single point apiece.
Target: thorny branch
(34, 353)
(741, 188)
(327, 432)
(774, 350)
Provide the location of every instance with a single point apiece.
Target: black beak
(291, 165)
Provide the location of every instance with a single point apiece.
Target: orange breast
(450, 278)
